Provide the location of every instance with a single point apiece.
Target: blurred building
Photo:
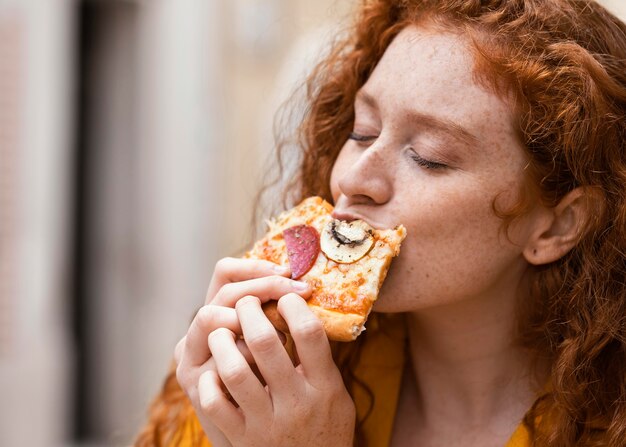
(133, 137)
(36, 171)
(131, 144)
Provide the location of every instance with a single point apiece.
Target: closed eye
(361, 138)
(428, 164)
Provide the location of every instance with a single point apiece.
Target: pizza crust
(339, 326)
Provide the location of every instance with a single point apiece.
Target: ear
(557, 230)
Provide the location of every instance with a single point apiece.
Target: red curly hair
(564, 64)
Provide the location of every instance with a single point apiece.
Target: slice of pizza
(344, 262)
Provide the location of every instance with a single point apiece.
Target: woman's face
(432, 149)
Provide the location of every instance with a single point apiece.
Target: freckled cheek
(440, 270)
(455, 213)
(445, 238)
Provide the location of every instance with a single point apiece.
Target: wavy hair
(563, 62)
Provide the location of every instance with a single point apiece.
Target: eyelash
(360, 138)
(428, 164)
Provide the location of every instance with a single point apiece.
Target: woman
(494, 131)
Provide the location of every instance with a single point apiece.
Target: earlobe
(558, 229)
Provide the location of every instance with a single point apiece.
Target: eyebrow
(441, 124)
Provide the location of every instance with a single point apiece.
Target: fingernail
(300, 286)
(281, 269)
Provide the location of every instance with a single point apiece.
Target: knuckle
(227, 289)
(178, 350)
(182, 376)
(216, 334)
(262, 342)
(189, 346)
(235, 374)
(309, 329)
(211, 405)
(278, 282)
(224, 264)
(206, 317)
(246, 301)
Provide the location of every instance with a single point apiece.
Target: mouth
(350, 216)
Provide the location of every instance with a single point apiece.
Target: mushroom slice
(346, 242)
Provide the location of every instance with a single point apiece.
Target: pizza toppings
(342, 293)
(303, 246)
(346, 242)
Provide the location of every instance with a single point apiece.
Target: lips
(349, 216)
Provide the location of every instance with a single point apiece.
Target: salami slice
(303, 246)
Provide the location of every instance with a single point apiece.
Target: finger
(186, 374)
(216, 404)
(309, 338)
(266, 288)
(178, 350)
(267, 348)
(229, 270)
(206, 321)
(236, 374)
(198, 348)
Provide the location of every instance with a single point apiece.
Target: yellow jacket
(380, 367)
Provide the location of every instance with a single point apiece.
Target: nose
(367, 179)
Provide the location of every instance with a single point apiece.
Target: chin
(386, 304)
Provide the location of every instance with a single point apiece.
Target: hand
(302, 405)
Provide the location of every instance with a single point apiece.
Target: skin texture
(458, 275)
(447, 210)
(457, 278)
(269, 400)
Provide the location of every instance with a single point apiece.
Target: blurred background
(134, 135)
